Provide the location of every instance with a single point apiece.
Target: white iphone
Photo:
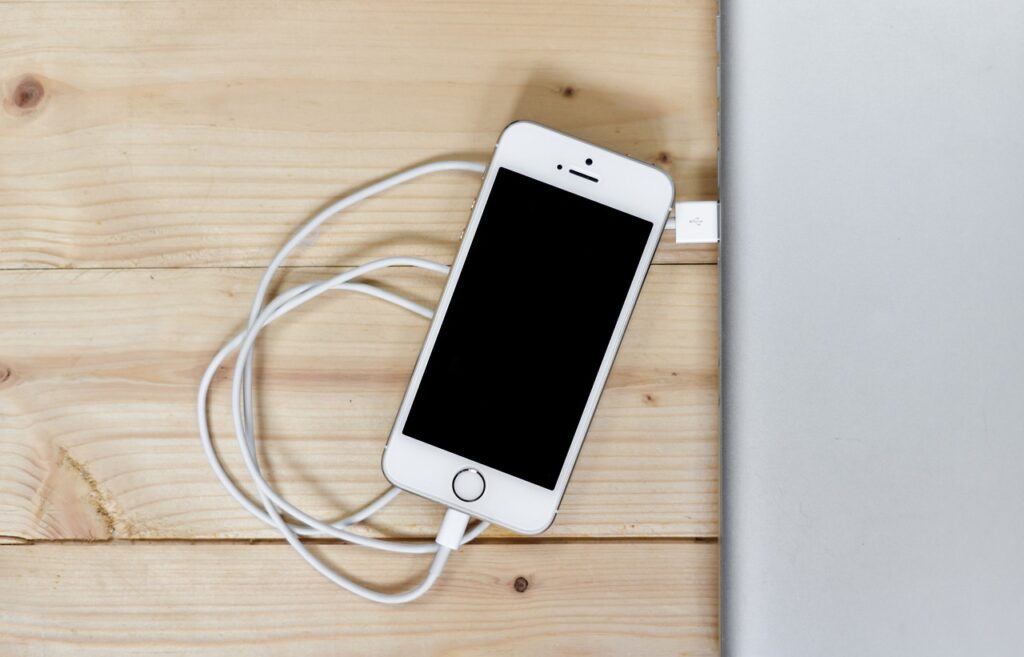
(550, 267)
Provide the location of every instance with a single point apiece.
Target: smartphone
(537, 301)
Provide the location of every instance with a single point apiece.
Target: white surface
(873, 328)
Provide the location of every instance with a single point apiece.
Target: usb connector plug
(695, 222)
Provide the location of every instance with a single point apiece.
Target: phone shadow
(620, 121)
(650, 128)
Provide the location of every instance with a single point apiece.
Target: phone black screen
(527, 327)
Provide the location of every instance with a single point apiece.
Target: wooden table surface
(154, 155)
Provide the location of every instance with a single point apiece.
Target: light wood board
(615, 599)
(175, 135)
(154, 155)
(101, 440)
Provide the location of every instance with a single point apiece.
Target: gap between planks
(492, 540)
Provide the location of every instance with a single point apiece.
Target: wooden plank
(635, 598)
(98, 373)
(167, 135)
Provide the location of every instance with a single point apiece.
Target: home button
(468, 485)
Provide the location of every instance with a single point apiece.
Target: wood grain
(163, 134)
(100, 371)
(154, 155)
(650, 598)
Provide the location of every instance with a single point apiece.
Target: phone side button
(468, 485)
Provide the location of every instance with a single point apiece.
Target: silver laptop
(872, 185)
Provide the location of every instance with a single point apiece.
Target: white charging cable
(452, 532)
